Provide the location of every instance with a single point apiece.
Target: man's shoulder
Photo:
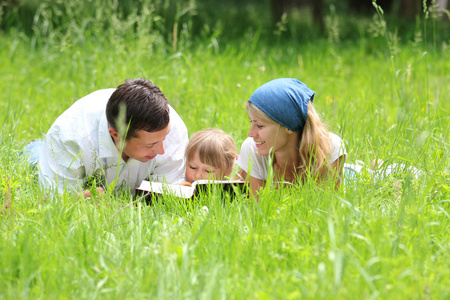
(176, 122)
(96, 99)
(82, 118)
(174, 115)
(91, 103)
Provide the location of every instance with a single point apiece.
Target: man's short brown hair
(146, 107)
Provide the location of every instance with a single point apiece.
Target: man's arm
(60, 166)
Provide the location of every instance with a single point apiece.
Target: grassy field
(387, 96)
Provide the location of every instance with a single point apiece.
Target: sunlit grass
(374, 239)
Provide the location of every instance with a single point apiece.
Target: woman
(287, 132)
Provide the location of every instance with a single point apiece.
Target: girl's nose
(199, 175)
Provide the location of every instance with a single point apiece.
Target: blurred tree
(399, 8)
(411, 8)
(281, 7)
(195, 17)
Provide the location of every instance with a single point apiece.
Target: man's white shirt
(78, 146)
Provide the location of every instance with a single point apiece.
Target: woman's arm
(255, 184)
(338, 166)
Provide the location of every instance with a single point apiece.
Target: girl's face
(196, 170)
(269, 135)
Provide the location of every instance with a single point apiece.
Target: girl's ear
(289, 131)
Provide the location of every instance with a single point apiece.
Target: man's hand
(87, 193)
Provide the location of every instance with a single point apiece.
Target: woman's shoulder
(250, 161)
(337, 147)
(335, 138)
(248, 144)
(249, 152)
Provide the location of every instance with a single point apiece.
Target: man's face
(145, 146)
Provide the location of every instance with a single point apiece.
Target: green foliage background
(380, 83)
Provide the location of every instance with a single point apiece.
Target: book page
(188, 191)
(225, 181)
(169, 189)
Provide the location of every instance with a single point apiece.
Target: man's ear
(114, 134)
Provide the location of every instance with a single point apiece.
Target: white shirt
(78, 146)
(258, 164)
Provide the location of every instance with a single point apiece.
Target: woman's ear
(289, 131)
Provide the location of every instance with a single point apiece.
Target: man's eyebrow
(150, 144)
(154, 143)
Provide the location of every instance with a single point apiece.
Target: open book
(200, 186)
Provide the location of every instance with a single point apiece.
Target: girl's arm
(255, 184)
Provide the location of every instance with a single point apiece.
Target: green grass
(376, 239)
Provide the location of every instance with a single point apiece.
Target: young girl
(210, 154)
(286, 127)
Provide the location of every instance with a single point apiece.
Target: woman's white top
(258, 164)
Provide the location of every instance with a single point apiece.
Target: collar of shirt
(106, 145)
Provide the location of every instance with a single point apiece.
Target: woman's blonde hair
(315, 147)
(315, 143)
(215, 148)
(255, 111)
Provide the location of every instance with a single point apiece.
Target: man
(119, 136)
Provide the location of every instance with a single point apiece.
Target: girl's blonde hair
(315, 143)
(215, 148)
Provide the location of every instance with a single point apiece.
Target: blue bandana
(284, 100)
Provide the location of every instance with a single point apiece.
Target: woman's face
(269, 135)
